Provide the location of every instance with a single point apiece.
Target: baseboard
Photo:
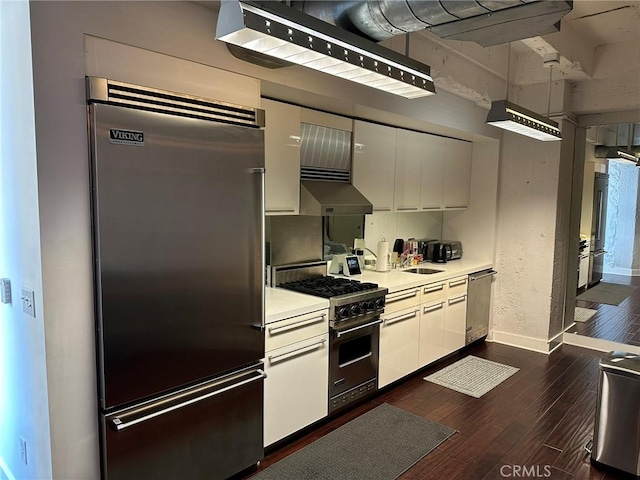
(597, 343)
(5, 471)
(527, 343)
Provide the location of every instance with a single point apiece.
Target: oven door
(353, 360)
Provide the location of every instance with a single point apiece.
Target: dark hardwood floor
(618, 323)
(543, 415)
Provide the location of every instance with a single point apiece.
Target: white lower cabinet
(399, 345)
(455, 323)
(296, 391)
(432, 332)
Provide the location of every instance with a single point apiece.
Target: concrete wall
(527, 198)
(623, 223)
(23, 375)
(565, 260)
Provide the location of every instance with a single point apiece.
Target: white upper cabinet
(374, 163)
(457, 174)
(410, 151)
(432, 173)
(282, 158)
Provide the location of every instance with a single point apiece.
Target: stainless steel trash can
(616, 436)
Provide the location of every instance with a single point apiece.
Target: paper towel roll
(382, 256)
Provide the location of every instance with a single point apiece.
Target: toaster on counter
(455, 249)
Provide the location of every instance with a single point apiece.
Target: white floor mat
(472, 376)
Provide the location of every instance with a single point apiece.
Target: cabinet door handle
(402, 296)
(280, 210)
(296, 352)
(406, 208)
(433, 308)
(457, 206)
(381, 209)
(406, 316)
(453, 301)
(432, 208)
(457, 283)
(295, 325)
(433, 289)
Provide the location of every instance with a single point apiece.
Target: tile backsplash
(390, 226)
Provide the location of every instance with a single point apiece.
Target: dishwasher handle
(481, 275)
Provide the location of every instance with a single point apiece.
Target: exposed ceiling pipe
(481, 21)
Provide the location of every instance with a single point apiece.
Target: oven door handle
(349, 330)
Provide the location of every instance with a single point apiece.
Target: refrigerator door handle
(119, 423)
(263, 262)
(599, 217)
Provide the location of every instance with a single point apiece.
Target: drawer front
(402, 299)
(399, 345)
(457, 286)
(296, 391)
(294, 329)
(433, 292)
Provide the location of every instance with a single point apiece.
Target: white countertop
(396, 280)
(281, 304)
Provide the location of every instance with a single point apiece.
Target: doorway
(604, 303)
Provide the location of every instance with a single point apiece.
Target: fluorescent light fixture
(283, 32)
(614, 153)
(507, 115)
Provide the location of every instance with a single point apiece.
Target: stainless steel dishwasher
(478, 304)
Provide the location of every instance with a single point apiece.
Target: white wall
(23, 381)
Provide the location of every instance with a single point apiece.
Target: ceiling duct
(484, 22)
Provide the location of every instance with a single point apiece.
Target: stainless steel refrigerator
(177, 193)
(598, 228)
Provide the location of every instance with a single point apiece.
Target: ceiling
(605, 22)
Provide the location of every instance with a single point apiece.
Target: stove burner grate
(328, 287)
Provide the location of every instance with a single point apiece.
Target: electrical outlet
(5, 290)
(28, 302)
(23, 451)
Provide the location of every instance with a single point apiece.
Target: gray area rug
(379, 445)
(609, 293)
(472, 376)
(583, 314)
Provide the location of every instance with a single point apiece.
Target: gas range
(348, 299)
(354, 333)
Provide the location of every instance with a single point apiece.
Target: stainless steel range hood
(332, 198)
(325, 173)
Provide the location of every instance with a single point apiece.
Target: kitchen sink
(422, 270)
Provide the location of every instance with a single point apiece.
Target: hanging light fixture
(617, 152)
(614, 153)
(509, 116)
(288, 34)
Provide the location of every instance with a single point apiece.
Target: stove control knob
(371, 305)
(364, 306)
(355, 309)
(342, 312)
(379, 303)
